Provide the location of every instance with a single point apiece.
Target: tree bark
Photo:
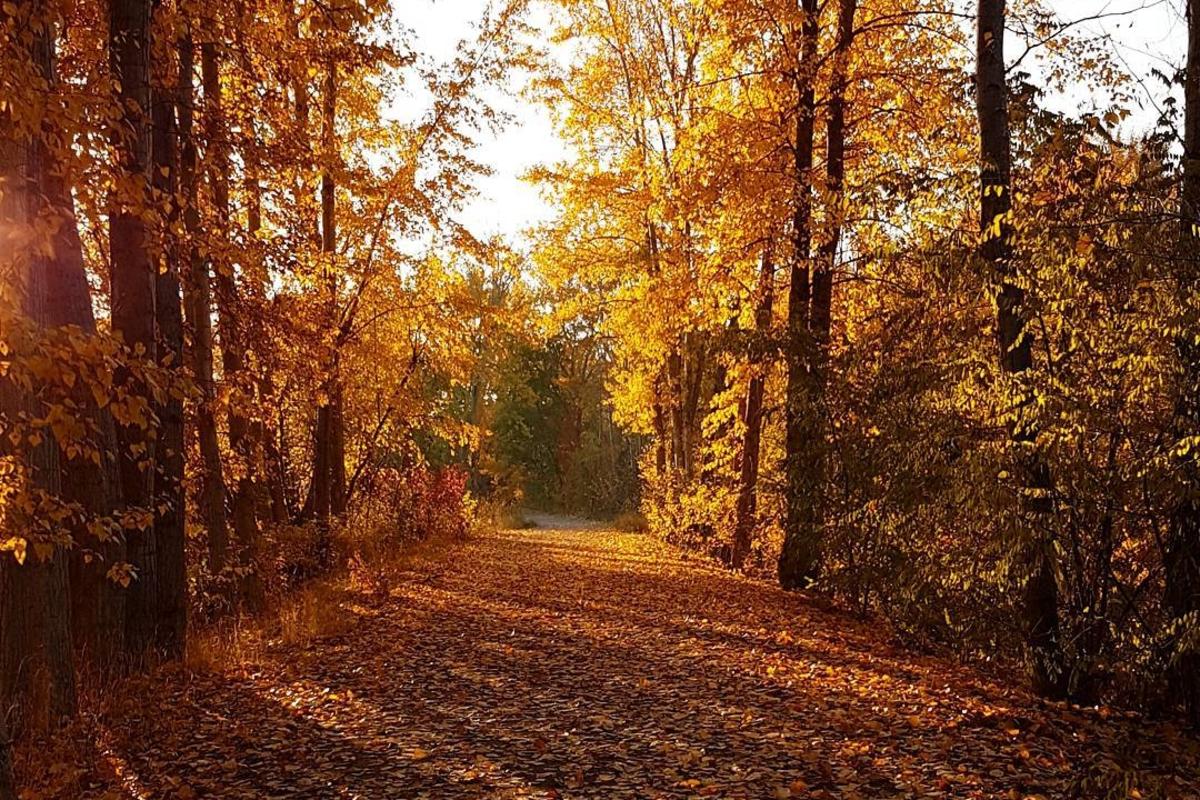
(329, 462)
(815, 413)
(199, 307)
(233, 344)
(97, 604)
(133, 297)
(171, 628)
(37, 671)
(1040, 594)
(1181, 557)
(752, 417)
(801, 552)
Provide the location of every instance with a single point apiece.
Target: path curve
(586, 663)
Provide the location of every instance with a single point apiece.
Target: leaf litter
(586, 663)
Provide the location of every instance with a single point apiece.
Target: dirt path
(585, 663)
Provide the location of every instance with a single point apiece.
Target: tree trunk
(168, 489)
(133, 296)
(747, 497)
(801, 552)
(37, 671)
(233, 345)
(815, 412)
(97, 604)
(1182, 553)
(329, 462)
(1040, 594)
(199, 307)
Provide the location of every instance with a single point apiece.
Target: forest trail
(587, 663)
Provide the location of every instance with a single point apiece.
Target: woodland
(837, 436)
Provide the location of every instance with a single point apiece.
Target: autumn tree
(1040, 601)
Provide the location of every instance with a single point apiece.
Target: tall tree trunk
(1040, 593)
(97, 604)
(1182, 552)
(820, 316)
(330, 458)
(199, 308)
(133, 296)
(233, 345)
(801, 552)
(747, 497)
(337, 421)
(37, 671)
(168, 489)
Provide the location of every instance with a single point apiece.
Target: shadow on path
(584, 663)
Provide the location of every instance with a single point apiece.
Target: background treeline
(537, 396)
(896, 328)
(233, 304)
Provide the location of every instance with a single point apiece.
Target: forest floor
(570, 661)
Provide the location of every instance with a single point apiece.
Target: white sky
(1153, 37)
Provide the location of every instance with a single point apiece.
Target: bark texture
(801, 552)
(133, 299)
(171, 629)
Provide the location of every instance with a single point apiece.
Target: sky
(1150, 36)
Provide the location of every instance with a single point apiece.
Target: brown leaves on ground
(586, 663)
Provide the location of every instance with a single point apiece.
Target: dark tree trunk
(37, 671)
(1040, 594)
(1182, 553)
(168, 488)
(199, 307)
(233, 344)
(752, 416)
(97, 604)
(801, 552)
(337, 421)
(815, 411)
(329, 461)
(133, 296)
